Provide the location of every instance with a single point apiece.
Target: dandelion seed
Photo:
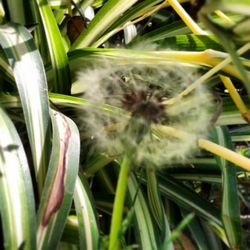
(141, 91)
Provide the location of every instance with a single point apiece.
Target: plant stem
(224, 17)
(207, 75)
(236, 98)
(209, 146)
(118, 204)
(225, 153)
(69, 8)
(192, 25)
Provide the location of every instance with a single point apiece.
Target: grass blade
(230, 201)
(88, 227)
(176, 233)
(144, 224)
(16, 11)
(191, 43)
(186, 198)
(208, 58)
(160, 34)
(59, 59)
(197, 233)
(154, 199)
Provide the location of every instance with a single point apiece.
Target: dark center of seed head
(144, 105)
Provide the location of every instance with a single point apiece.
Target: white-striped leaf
(230, 212)
(88, 227)
(17, 205)
(144, 224)
(29, 75)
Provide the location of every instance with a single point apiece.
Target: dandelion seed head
(141, 91)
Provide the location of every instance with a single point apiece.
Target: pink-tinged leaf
(60, 181)
(57, 192)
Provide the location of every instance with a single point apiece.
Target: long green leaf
(181, 226)
(107, 15)
(26, 13)
(161, 33)
(60, 181)
(208, 58)
(131, 13)
(144, 224)
(191, 43)
(213, 241)
(88, 227)
(154, 199)
(59, 59)
(188, 199)
(27, 66)
(230, 201)
(197, 233)
(16, 11)
(17, 204)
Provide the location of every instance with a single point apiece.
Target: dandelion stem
(118, 204)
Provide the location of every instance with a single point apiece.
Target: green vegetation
(124, 124)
